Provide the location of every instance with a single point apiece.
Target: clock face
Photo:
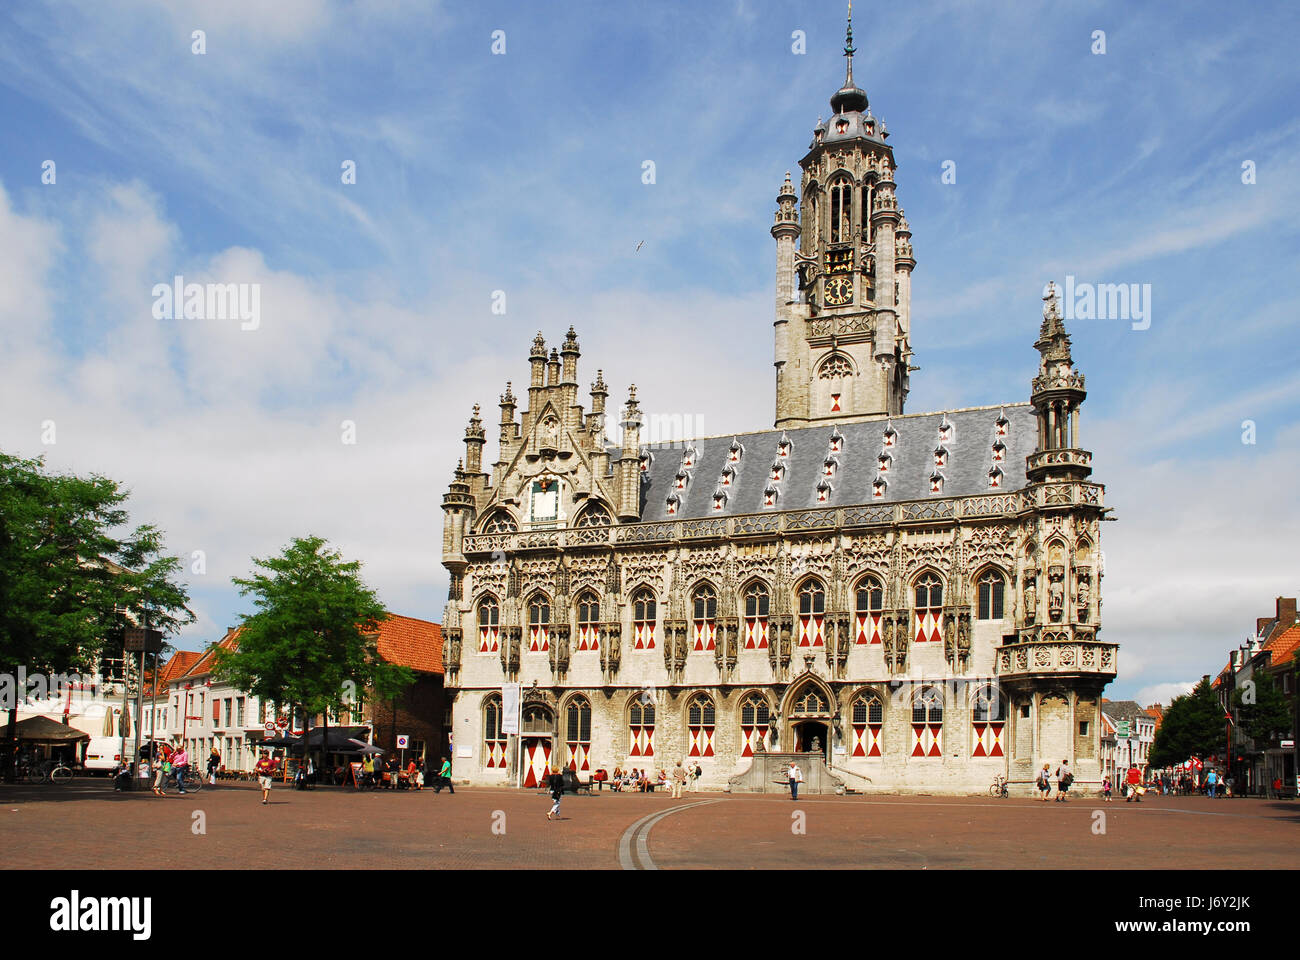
(839, 291)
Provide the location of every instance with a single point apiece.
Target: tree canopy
(313, 635)
(1262, 711)
(1193, 726)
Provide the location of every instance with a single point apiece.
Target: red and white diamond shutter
(705, 635)
(494, 741)
(988, 721)
(812, 611)
(754, 718)
(489, 629)
(929, 609)
(700, 720)
(870, 600)
(986, 740)
(705, 602)
(643, 620)
(577, 730)
(868, 717)
(641, 727)
(756, 633)
(539, 625)
(588, 622)
(756, 609)
(927, 724)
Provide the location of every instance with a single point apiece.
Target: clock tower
(843, 321)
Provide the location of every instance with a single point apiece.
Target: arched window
(489, 625)
(700, 720)
(929, 609)
(927, 723)
(536, 759)
(841, 211)
(810, 702)
(643, 620)
(755, 717)
(812, 614)
(756, 607)
(992, 591)
(539, 624)
(641, 727)
(494, 741)
(868, 717)
(870, 608)
(538, 718)
(594, 516)
(499, 521)
(577, 733)
(588, 621)
(866, 212)
(988, 720)
(704, 624)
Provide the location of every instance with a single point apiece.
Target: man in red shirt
(1134, 781)
(264, 769)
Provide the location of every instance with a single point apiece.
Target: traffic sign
(403, 741)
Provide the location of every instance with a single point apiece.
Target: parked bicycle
(193, 783)
(1000, 788)
(50, 771)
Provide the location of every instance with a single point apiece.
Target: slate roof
(970, 457)
(1124, 710)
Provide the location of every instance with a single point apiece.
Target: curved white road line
(640, 833)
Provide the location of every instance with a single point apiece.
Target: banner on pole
(510, 708)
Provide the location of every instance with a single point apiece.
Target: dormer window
(828, 466)
(841, 126)
(688, 458)
(679, 481)
(728, 474)
(783, 447)
(995, 478)
(769, 496)
(1002, 424)
(778, 471)
(823, 491)
(673, 502)
(719, 499)
(879, 487)
(647, 459)
(999, 452)
(940, 457)
(736, 450)
(945, 432)
(837, 441)
(891, 436)
(883, 462)
(936, 482)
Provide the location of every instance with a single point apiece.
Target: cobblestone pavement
(87, 825)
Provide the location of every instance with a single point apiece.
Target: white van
(103, 754)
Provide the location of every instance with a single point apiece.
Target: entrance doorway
(812, 736)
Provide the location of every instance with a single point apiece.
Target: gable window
(995, 478)
(705, 622)
(594, 516)
(588, 621)
(755, 716)
(812, 614)
(539, 625)
(489, 626)
(870, 605)
(999, 452)
(499, 521)
(879, 487)
(940, 457)
(991, 592)
(643, 620)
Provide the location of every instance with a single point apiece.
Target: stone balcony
(1054, 658)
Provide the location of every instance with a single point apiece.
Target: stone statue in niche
(1056, 596)
(963, 641)
(1031, 599)
(1084, 598)
(949, 639)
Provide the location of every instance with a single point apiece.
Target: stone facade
(915, 597)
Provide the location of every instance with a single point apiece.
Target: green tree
(72, 578)
(314, 633)
(1193, 726)
(1262, 711)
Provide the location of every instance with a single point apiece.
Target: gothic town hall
(907, 602)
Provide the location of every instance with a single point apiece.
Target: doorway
(812, 736)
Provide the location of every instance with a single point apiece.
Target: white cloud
(1164, 693)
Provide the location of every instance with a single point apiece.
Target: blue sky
(522, 172)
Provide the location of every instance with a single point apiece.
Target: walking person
(162, 767)
(264, 768)
(1134, 780)
(214, 764)
(796, 778)
(444, 775)
(180, 763)
(556, 782)
(1064, 777)
(679, 779)
(1105, 788)
(1044, 783)
(1211, 781)
(695, 779)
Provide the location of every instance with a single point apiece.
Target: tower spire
(849, 50)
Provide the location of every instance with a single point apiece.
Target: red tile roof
(177, 665)
(412, 643)
(1283, 646)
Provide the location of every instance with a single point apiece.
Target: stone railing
(1047, 658)
(1080, 458)
(1073, 381)
(793, 521)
